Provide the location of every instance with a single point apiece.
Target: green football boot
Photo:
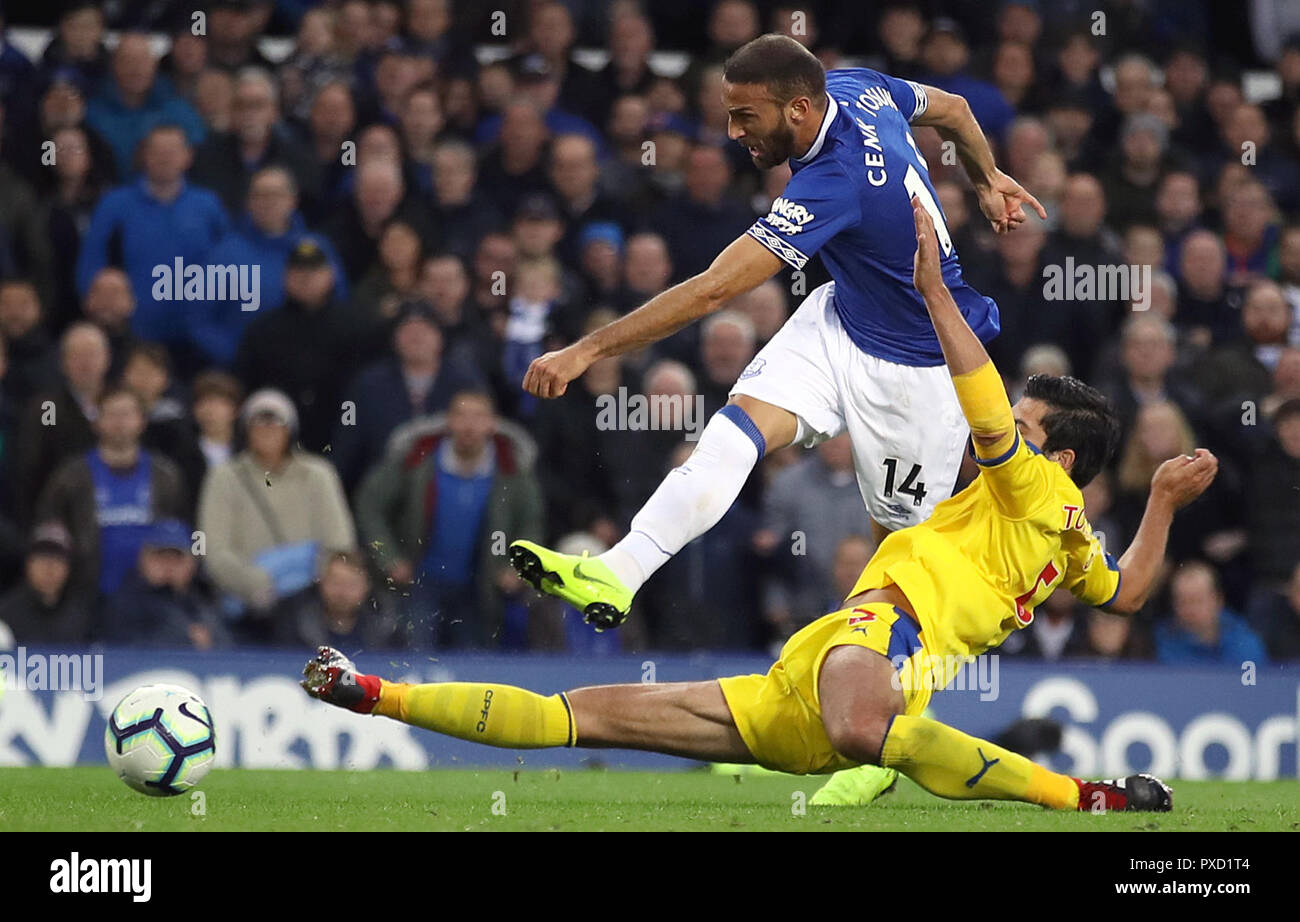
(855, 787)
(584, 582)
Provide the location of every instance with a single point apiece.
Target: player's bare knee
(778, 426)
(859, 698)
(859, 737)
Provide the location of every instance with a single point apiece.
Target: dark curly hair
(1081, 419)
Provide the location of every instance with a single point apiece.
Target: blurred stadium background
(433, 192)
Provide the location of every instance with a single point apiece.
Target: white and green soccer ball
(160, 740)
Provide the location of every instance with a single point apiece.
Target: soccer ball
(160, 740)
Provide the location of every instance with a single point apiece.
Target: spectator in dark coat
(419, 379)
(1059, 630)
(32, 358)
(704, 218)
(1282, 625)
(807, 513)
(1083, 238)
(332, 123)
(338, 610)
(574, 172)
(215, 408)
(226, 162)
(44, 608)
(1148, 350)
(77, 45)
(24, 236)
(169, 429)
(1205, 302)
(706, 598)
(17, 75)
(312, 372)
(1208, 528)
(470, 336)
(515, 167)
(549, 47)
(1272, 501)
(1242, 369)
(391, 281)
(109, 304)
(11, 539)
(462, 212)
(56, 424)
(580, 463)
(233, 27)
(65, 213)
(159, 603)
(379, 197)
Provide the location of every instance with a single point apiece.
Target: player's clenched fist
(1180, 480)
(549, 375)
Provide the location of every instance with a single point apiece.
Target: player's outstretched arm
(1002, 199)
(743, 265)
(979, 387)
(1176, 483)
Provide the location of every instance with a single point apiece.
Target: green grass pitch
(90, 798)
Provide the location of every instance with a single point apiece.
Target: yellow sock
(498, 715)
(952, 764)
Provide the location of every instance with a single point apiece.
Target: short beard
(780, 147)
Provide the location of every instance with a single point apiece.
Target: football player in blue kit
(859, 355)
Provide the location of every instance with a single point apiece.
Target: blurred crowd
(346, 461)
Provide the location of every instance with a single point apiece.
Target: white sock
(691, 499)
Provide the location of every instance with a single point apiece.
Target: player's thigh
(791, 380)
(859, 694)
(636, 712)
(908, 436)
(778, 426)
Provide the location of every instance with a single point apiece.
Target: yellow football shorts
(779, 714)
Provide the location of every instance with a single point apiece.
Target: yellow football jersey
(975, 570)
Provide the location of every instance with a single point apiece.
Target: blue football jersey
(849, 198)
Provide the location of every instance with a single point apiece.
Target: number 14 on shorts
(911, 486)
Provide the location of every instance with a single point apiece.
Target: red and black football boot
(1136, 792)
(332, 677)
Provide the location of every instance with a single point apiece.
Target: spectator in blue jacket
(947, 55)
(1201, 630)
(135, 101)
(159, 604)
(264, 237)
(152, 222)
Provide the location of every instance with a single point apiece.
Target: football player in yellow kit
(850, 688)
